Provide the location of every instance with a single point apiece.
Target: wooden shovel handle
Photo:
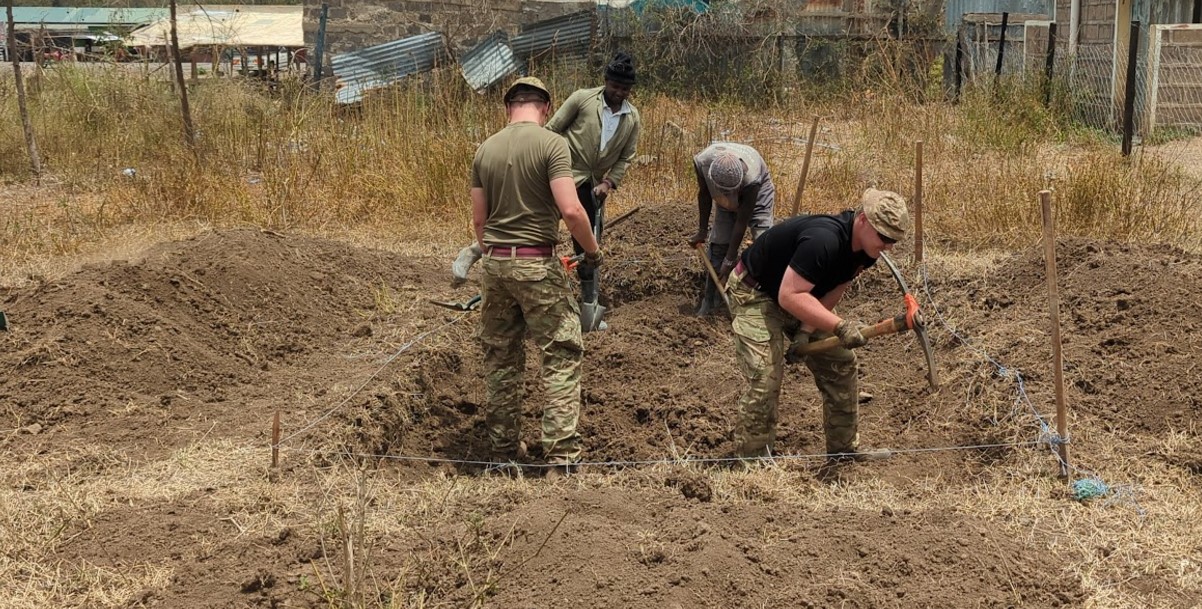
(893, 325)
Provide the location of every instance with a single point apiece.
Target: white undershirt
(610, 120)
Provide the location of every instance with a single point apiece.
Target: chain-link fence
(1092, 82)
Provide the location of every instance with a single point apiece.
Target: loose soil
(208, 337)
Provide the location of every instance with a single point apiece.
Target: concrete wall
(1176, 85)
(356, 24)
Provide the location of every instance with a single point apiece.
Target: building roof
(232, 26)
(31, 17)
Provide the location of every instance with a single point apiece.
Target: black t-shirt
(816, 247)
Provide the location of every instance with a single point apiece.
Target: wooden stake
(805, 167)
(189, 131)
(275, 441)
(31, 141)
(918, 201)
(1049, 248)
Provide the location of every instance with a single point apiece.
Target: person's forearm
(581, 230)
(831, 299)
(810, 311)
(705, 206)
(479, 214)
(736, 239)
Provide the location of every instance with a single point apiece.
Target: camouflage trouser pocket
(753, 343)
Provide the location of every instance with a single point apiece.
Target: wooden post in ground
(275, 440)
(805, 167)
(189, 131)
(31, 141)
(918, 201)
(1049, 249)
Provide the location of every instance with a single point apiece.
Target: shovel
(592, 312)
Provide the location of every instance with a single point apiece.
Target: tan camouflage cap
(530, 82)
(886, 212)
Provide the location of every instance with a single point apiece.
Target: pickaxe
(910, 319)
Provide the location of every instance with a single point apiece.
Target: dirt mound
(234, 323)
(637, 548)
(193, 325)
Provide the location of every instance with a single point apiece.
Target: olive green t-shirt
(515, 168)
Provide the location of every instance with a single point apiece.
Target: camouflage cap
(527, 83)
(886, 212)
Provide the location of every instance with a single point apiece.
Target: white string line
(663, 461)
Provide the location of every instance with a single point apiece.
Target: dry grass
(398, 165)
(393, 175)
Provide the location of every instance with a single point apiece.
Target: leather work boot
(559, 468)
(505, 463)
(863, 455)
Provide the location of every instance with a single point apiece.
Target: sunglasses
(886, 240)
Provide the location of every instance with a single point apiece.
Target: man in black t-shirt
(784, 289)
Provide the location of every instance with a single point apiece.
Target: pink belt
(520, 251)
(744, 278)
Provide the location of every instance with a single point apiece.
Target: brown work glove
(849, 334)
(594, 259)
(800, 340)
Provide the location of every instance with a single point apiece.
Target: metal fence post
(1001, 45)
(1049, 65)
(1129, 93)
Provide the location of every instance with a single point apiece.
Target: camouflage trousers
(521, 295)
(763, 334)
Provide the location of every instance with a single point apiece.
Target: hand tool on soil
(470, 305)
(910, 319)
(718, 284)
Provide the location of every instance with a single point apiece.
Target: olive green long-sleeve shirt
(579, 121)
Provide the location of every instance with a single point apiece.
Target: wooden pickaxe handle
(718, 283)
(893, 325)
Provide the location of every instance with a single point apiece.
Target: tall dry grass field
(397, 165)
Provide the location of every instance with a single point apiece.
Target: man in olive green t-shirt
(521, 186)
(602, 128)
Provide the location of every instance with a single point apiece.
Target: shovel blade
(590, 316)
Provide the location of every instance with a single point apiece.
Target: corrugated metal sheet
(489, 62)
(384, 64)
(955, 9)
(84, 17)
(567, 35)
